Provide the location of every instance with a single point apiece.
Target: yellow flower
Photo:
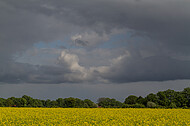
(93, 117)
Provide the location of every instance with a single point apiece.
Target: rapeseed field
(93, 117)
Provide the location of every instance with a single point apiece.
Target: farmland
(93, 116)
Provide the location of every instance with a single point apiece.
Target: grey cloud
(79, 42)
(164, 22)
(26, 73)
(154, 68)
(167, 22)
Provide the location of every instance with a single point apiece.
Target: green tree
(53, 104)
(61, 102)
(29, 100)
(109, 103)
(180, 100)
(152, 97)
(79, 103)
(48, 103)
(141, 100)
(86, 105)
(162, 99)
(9, 102)
(170, 96)
(89, 103)
(132, 99)
(70, 102)
(2, 102)
(186, 93)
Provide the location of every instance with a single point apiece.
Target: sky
(93, 48)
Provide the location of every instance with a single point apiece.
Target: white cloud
(77, 36)
(71, 61)
(92, 38)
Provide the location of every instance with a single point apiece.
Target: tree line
(162, 99)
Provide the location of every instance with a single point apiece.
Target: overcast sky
(93, 48)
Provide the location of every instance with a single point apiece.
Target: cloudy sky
(93, 48)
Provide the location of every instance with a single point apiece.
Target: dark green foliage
(89, 103)
(53, 104)
(131, 99)
(86, 105)
(9, 102)
(61, 102)
(48, 103)
(70, 102)
(141, 100)
(186, 94)
(172, 105)
(133, 105)
(2, 102)
(109, 103)
(152, 97)
(162, 99)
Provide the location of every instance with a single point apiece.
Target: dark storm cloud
(26, 73)
(155, 68)
(79, 42)
(164, 22)
(15, 73)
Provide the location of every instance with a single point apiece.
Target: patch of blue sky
(53, 44)
(122, 40)
(115, 41)
(43, 57)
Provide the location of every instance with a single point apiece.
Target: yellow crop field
(92, 117)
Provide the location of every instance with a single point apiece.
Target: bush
(185, 107)
(172, 105)
(133, 106)
(94, 105)
(159, 106)
(151, 104)
(138, 105)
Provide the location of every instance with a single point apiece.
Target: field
(96, 116)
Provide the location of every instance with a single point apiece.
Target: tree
(141, 100)
(152, 97)
(186, 93)
(162, 99)
(86, 105)
(170, 96)
(131, 99)
(61, 102)
(53, 104)
(89, 103)
(48, 103)
(9, 102)
(79, 103)
(2, 102)
(180, 100)
(101, 99)
(21, 102)
(109, 103)
(29, 100)
(70, 102)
